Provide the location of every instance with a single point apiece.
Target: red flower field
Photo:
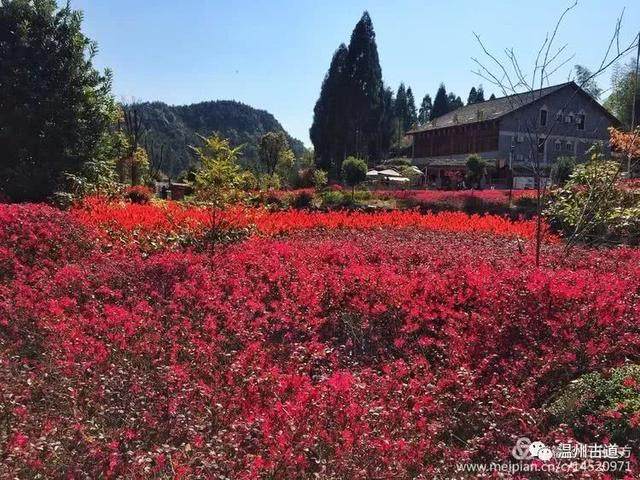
(334, 346)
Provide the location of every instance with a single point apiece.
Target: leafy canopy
(57, 110)
(219, 178)
(354, 171)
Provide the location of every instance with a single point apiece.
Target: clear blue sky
(273, 54)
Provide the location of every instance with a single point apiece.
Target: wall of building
(522, 128)
(462, 139)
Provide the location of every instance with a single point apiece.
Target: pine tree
(328, 130)
(365, 91)
(412, 117)
(473, 96)
(492, 97)
(425, 109)
(440, 103)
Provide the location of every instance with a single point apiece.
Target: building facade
(513, 133)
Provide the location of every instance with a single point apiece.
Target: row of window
(577, 118)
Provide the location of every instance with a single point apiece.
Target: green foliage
(440, 103)
(586, 82)
(328, 130)
(219, 179)
(561, 170)
(269, 182)
(453, 102)
(620, 101)
(475, 96)
(334, 198)
(271, 151)
(57, 109)
(476, 169)
(597, 394)
(412, 117)
(593, 208)
(353, 115)
(425, 109)
(354, 172)
(170, 130)
(320, 179)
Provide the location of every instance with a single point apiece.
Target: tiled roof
(488, 110)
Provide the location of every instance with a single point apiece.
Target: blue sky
(273, 54)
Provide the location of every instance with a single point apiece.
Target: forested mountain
(177, 127)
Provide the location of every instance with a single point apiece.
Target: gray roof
(488, 110)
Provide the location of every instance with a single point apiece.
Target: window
(568, 147)
(558, 145)
(543, 118)
(567, 119)
(519, 157)
(580, 121)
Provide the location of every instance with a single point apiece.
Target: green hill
(177, 127)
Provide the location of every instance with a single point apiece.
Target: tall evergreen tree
(453, 102)
(425, 109)
(440, 103)
(412, 117)
(473, 96)
(400, 107)
(56, 110)
(328, 130)
(365, 91)
(480, 94)
(387, 126)
(492, 97)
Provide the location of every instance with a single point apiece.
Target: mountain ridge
(173, 129)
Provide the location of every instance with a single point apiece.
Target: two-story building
(513, 133)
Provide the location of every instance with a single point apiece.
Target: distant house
(172, 190)
(505, 131)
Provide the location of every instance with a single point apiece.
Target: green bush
(614, 396)
(593, 208)
(354, 172)
(320, 179)
(333, 198)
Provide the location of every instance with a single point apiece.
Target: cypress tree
(366, 91)
(480, 95)
(328, 130)
(412, 117)
(425, 109)
(440, 103)
(492, 97)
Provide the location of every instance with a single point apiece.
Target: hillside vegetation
(177, 128)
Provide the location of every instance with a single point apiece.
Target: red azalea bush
(344, 352)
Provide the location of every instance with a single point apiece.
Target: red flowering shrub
(138, 194)
(152, 225)
(394, 349)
